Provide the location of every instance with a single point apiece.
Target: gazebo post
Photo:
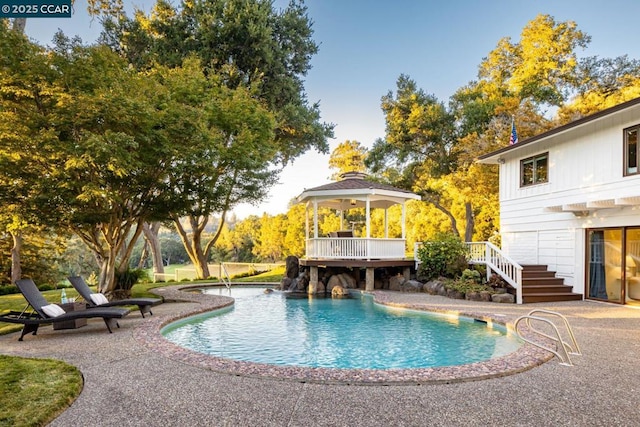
(315, 218)
(386, 223)
(368, 216)
(406, 272)
(404, 220)
(306, 229)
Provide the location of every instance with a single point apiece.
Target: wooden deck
(361, 263)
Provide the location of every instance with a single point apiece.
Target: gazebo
(341, 248)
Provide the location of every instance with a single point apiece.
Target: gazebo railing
(355, 248)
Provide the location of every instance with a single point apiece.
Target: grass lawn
(32, 380)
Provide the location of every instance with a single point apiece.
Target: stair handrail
(497, 261)
(567, 349)
(226, 282)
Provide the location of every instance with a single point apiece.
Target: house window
(631, 150)
(534, 170)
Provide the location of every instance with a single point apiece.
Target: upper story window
(534, 170)
(631, 150)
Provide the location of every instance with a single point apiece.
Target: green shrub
(46, 287)
(446, 256)
(126, 279)
(8, 289)
(466, 286)
(469, 275)
(250, 273)
(496, 282)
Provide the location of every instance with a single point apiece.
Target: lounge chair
(95, 299)
(46, 313)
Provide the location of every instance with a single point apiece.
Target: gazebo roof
(353, 191)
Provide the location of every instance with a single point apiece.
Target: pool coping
(523, 359)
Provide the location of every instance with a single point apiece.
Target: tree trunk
(16, 265)
(193, 244)
(471, 222)
(151, 235)
(198, 255)
(107, 241)
(144, 254)
(106, 279)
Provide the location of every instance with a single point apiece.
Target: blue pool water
(336, 333)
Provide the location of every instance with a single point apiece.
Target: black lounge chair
(144, 304)
(32, 321)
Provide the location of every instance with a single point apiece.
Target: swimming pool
(336, 333)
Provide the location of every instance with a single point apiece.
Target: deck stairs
(541, 285)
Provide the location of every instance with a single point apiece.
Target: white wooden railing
(496, 261)
(355, 248)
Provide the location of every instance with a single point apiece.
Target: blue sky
(366, 44)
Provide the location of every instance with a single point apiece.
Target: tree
(431, 149)
(542, 66)
(248, 42)
(348, 156)
(419, 142)
(28, 93)
(227, 140)
(271, 238)
(244, 237)
(604, 82)
(258, 53)
(86, 135)
(418, 137)
(294, 239)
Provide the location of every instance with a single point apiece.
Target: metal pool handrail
(567, 349)
(226, 282)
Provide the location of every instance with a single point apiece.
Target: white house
(570, 200)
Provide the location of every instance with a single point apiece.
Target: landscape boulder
(433, 287)
(339, 292)
(343, 280)
(411, 286)
(454, 294)
(396, 282)
(503, 298)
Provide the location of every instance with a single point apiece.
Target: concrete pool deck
(135, 377)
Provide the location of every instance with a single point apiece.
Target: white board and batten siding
(585, 164)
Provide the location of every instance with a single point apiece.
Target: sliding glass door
(605, 253)
(632, 265)
(613, 270)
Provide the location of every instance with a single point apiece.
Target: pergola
(343, 249)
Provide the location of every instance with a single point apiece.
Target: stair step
(534, 267)
(546, 297)
(526, 274)
(546, 289)
(542, 281)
